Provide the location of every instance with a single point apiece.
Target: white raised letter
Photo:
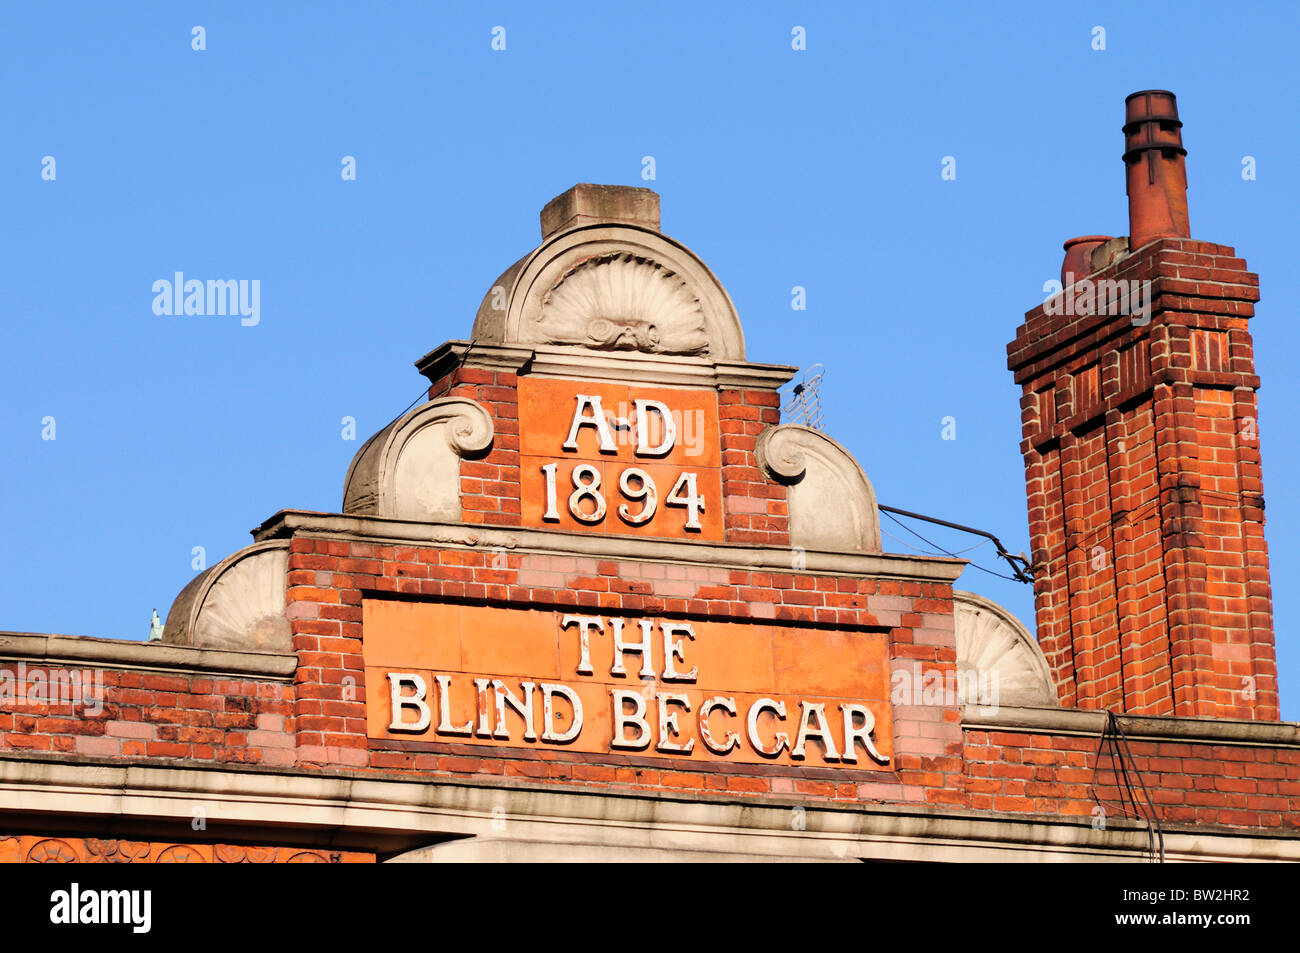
(668, 722)
(647, 669)
(622, 719)
(643, 448)
(821, 732)
(396, 680)
(674, 649)
(585, 624)
(862, 733)
(445, 726)
(480, 688)
(597, 420)
(729, 706)
(525, 709)
(751, 723)
(549, 691)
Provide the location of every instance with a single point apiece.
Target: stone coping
(71, 651)
(1078, 722)
(740, 556)
(391, 815)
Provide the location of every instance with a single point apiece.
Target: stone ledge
(288, 523)
(1078, 722)
(658, 370)
(389, 815)
(76, 650)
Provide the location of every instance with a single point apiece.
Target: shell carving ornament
(622, 302)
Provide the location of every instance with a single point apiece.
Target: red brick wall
(489, 487)
(755, 506)
(150, 715)
(1188, 783)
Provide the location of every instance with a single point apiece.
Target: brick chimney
(1146, 506)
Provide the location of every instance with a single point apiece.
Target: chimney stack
(1141, 446)
(1156, 168)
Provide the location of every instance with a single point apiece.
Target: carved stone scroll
(411, 469)
(831, 502)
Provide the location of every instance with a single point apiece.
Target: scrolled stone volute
(1001, 654)
(831, 503)
(237, 604)
(411, 469)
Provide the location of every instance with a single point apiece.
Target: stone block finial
(587, 204)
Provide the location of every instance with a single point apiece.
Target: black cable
(424, 392)
(944, 551)
(1114, 734)
(423, 395)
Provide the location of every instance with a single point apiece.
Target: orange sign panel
(617, 458)
(584, 682)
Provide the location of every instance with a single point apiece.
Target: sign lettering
(617, 459)
(700, 691)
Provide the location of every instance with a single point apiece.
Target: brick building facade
(593, 600)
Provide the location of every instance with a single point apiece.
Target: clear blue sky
(818, 168)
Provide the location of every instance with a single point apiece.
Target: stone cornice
(1077, 722)
(288, 523)
(72, 651)
(389, 814)
(569, 362)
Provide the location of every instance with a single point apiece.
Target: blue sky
(818, 168)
